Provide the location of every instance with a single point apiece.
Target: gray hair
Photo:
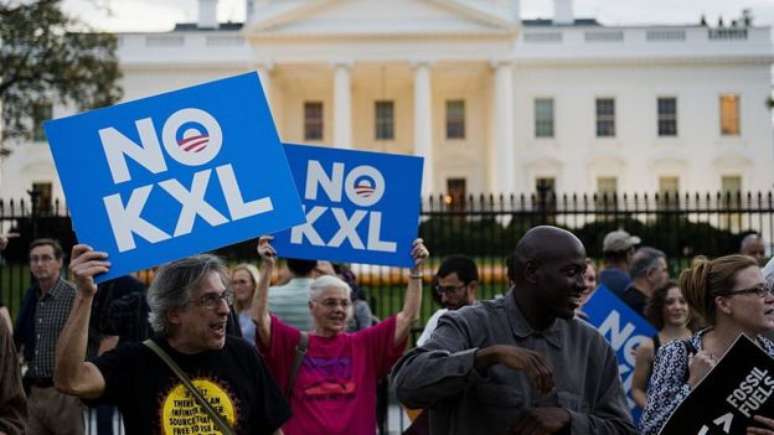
(325, 282)
(174, 285)
(644, 260)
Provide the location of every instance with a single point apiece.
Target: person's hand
(86, 262)
(419, 253)
(532, 363)
(324, 267)
(4, 239)
(540, 421)
(763, 426)
(266, 251)
(699, 365)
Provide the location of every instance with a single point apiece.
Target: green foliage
(673, 233)
(48, 58)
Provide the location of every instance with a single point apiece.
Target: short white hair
(325, 282)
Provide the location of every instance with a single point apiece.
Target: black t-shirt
(154, 401)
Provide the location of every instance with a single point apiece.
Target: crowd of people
(208, 349)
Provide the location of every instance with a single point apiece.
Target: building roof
(194, 27)
(540, 22)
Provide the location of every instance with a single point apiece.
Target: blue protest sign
(624, 329)
(168, 176)
(361, 207)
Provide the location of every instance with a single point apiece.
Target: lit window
(729, 115)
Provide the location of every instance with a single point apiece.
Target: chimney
(249, 9)
(208, 14)
(563, 12)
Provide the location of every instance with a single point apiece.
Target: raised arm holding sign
(189, 303)
(328, 374)
(731, 296)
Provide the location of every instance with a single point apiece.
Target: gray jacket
(441, 374)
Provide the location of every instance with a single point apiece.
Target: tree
(47, 57)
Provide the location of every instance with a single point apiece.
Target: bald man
(752, 245)
(522, 363)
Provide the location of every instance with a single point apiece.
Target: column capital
(417, 64)
(345, 64)
(500, 63)
(267, 66)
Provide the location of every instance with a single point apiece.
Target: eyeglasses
(41, 258)
(333, 303)
(761, 290)
(441, 289)
(212, 300)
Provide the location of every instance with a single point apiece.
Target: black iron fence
(485, 227)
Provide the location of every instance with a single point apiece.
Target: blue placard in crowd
(624, 329)
(168, 176)
(361, 207)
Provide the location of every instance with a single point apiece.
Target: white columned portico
(423, 128)
(342, 106)
(264, 73)
(504, 154)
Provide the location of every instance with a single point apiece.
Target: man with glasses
(43, 314)
(189, 307)
(456, 283)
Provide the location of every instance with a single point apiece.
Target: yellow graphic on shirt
(182, 415)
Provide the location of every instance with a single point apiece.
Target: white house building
(495, 103)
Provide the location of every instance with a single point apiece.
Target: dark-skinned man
(521, 364)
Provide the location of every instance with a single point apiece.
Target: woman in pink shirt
(334, 389)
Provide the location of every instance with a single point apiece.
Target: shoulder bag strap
(224, 428)
(690, 349)
(298, 358)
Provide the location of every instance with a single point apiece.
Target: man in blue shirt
(618, 249)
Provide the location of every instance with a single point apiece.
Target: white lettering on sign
(193, 203)
(364, 186)
(752, 393)
(624, 340)
(191, 137)
(194, 147)
(117, 147)
(724, 422)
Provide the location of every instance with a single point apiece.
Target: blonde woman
(244, 280)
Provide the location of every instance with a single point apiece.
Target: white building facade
(495, 104)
